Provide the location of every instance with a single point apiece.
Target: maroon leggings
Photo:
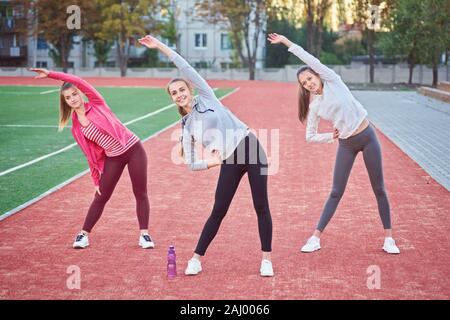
(136, 159)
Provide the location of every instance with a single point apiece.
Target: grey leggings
(367, 142)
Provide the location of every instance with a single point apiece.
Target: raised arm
(315, 64)
(91, 93)
(204, 90)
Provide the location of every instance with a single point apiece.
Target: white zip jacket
(336, 103)
(209, 123)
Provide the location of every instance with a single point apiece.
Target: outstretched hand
(41, 73)
(149, 41)
(275, 38)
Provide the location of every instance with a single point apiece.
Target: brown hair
(181, 110)
(303, 95)
(65, 111)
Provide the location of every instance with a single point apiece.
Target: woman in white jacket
(322, 94)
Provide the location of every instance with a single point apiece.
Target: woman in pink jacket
(108, 146)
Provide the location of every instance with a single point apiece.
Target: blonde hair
(65, 111)
(181, 110)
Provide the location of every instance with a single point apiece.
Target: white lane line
(79, 175)
(30, 126)
(29, 163)
(43, 195)
(150, 114)
(69, 147)
(49, 91)
(74, 144)
(17, 92)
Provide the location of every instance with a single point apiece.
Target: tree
(125, 20)
(418, 31)
(361, 16)
(315, 12)
(405, 33)
(366, 13)
(278, 56)
(322, 10)
(436, 28)
(246, 19)
(169, 31)
(309, 10)
(346, 48)
(49, 20)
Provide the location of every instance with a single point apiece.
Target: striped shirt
(111, 146)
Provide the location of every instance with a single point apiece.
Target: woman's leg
(112, 171)
(229, 178)
(344, 161)
(373, 161)
(257, 176)
(137, 167)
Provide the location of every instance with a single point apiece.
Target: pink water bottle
(171, 263)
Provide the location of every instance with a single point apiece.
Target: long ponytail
(303, 95)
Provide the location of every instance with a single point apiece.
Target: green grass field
(26, 117)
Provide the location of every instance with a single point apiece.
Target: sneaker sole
(390, 252)
(81, 247)
(191, 274)
(310, 251)
(152, 246)
(267, 275)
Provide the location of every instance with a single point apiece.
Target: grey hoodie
(209, 123)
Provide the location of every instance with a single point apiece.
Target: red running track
(35, 244)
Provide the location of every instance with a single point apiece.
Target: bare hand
(215, 159)
(97, 190)
(275, 38)
(150, 42)
(335, 133)
(42, 73)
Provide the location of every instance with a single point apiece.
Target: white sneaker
(389, 246)
(146, 242)
(194, 267)
(266, 268)
(81, 241)
(311, 245)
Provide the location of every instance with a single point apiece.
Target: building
(204, 43)
(13, 45)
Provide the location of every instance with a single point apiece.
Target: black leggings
(248, 157)
(136, 159)
(367, 142)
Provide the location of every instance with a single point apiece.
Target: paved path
(418, 125)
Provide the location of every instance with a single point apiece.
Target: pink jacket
(101, 116)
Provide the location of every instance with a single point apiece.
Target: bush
(329, 58)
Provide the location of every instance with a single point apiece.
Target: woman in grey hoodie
(231, 144)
